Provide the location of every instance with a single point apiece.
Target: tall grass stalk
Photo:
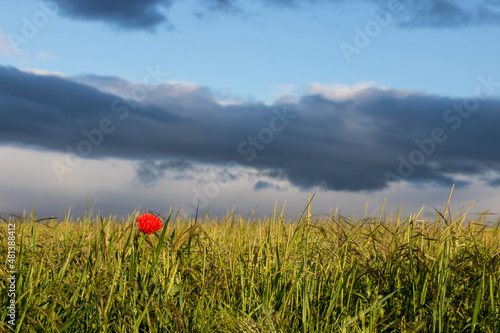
(316, 273)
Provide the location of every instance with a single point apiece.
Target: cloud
(219, 8)
(423, 13)
(148, 172)
(357, 141)
(429, 13)
(43, 72)
(450, 13)
(149, 14)
(264, 185)
(495, 182)
(142, 15)
(340, 92)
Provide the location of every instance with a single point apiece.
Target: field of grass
(243, 274)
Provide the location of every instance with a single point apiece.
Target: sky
(240, 104)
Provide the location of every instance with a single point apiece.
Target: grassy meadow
(310, 273)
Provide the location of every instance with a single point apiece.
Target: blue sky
(226, 70)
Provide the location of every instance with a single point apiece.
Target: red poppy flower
(148, 223)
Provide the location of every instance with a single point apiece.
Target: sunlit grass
(243, 274)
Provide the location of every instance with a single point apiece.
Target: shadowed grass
(243, 274)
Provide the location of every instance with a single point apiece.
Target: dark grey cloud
(449, 13)
(264, 185)
(149, 171)
(126, 14)
(495, 182)
(275, 173)
(218, 8)
(149, 14)
(423, 13)
(363, 140)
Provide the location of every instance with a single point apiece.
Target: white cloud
(179, 88)
(229, 102)
(25, 184)
(43, 72)
(339, 92)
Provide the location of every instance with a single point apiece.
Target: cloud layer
(145, 14)
(340, 138)
(449, 13)
(149, 14)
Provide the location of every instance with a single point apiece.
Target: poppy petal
(148, 223)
